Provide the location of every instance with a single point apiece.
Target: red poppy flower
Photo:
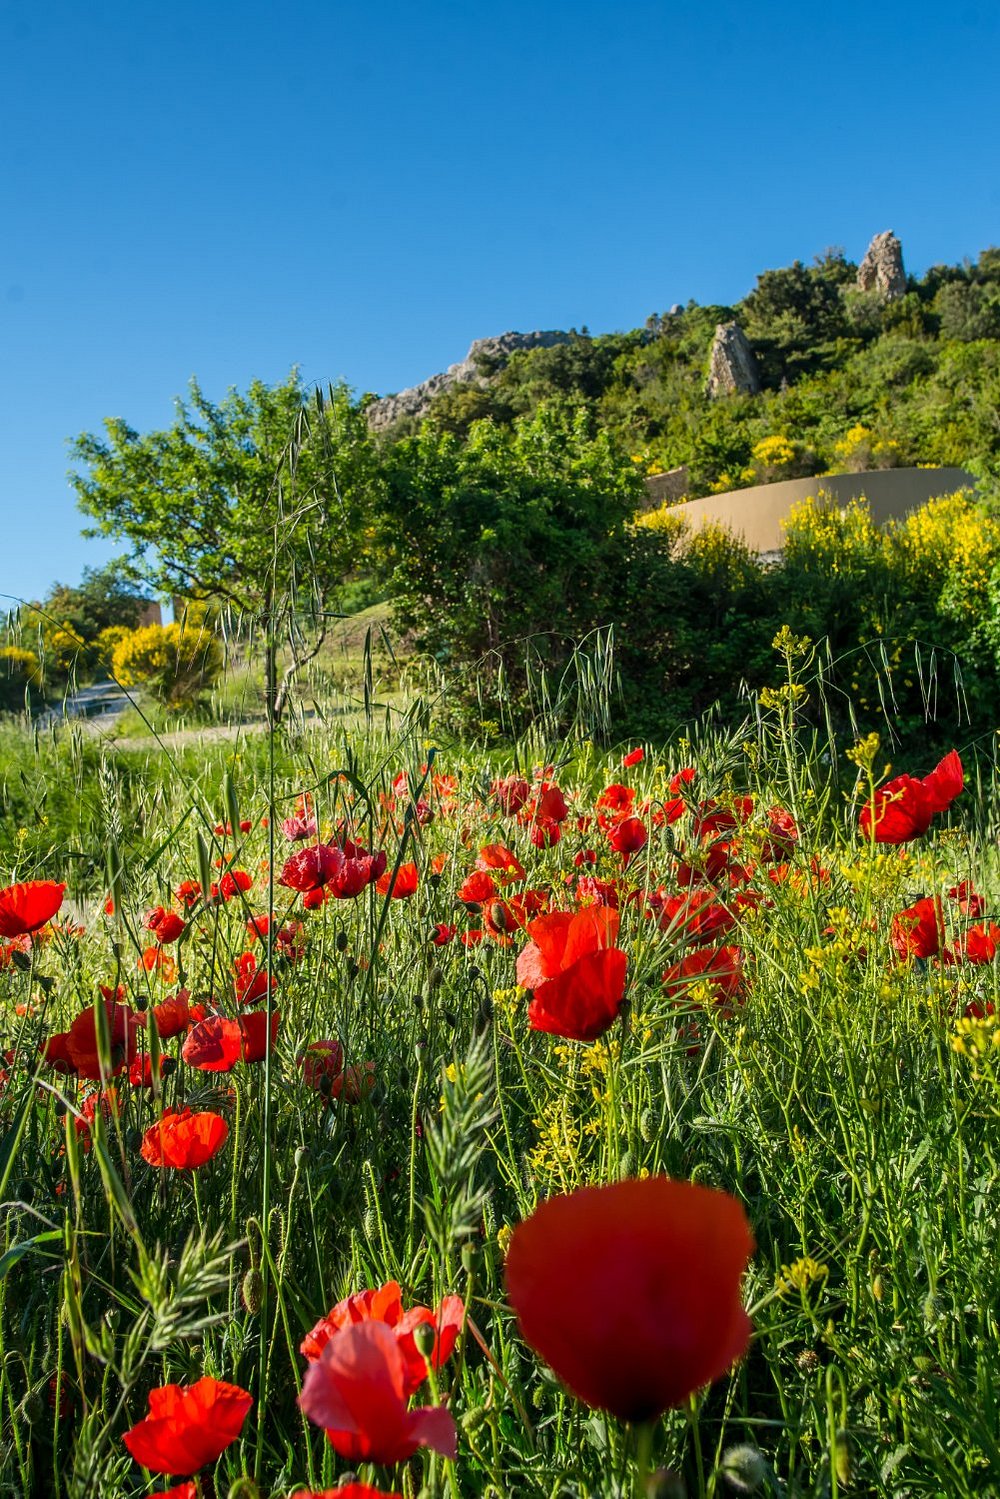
(614, 803)
(577, 975)
(184, 1141)
(173, 1015)
(187, 1490)
(631, 1292)
(511, 792)
(253, 1034)
(359, 870)
(634, 757)
(386, 1305)
(356, 1390)
(782, 835)
(550, 804)
(215, 1044)
(311, 867)
(54, 1051)
(313, 899)
(477, 888)
(721, 968)
(695, 917)
(545, 833)
(188, 1426)
(355, 1083)
(321, 1059)
(81, 1038)
(249, 981)
(499, 859)
(399, 883)
(628, 837)
(26, 907)
(140, 1072)
(296, 828)
(188, 892)
(904, 808)
(918, 932)
(442, 934)
(233, 882)
(347, 1491)
(166, 926)
(981, 943)
(592, 891)
(969, 902)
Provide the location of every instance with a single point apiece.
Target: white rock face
(732, 369)
(882, 268)
(492, 353)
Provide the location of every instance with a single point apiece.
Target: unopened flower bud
(743, 1468)
(33, 1407)
(473, 1419)
(424, 1338)
(252, 1291)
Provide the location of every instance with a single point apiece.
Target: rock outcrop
(882, 268)
(485, 358)
(732, 369)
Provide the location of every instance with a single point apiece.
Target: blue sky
(225, 190)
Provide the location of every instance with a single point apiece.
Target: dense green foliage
(507, 515)
(921, 374)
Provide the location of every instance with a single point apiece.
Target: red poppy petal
(631, 1292)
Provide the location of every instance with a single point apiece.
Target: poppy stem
(643, 1458)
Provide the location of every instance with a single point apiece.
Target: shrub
(19, 676)
(175, 662)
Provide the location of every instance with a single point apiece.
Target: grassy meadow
(390, 1111)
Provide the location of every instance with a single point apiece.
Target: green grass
(830, 1102)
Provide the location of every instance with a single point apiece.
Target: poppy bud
(743, 1468)
(252, 1291)
(140, 1003)
(369, 1225)
(626, 1165)
(878, 1288)
(21, 960)
(435, 978)
(498, 916)
(353, 970)
(33, 1407)
(301, 1156)
(25, 1190)
(434, 880)
(45, 982)
(649, 1124)
(341, 942)
(59, 1108)
(424, 1338)
(473, 1419)
(842, 1459)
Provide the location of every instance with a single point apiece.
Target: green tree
(518, 531)
(256, 502)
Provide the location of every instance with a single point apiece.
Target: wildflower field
(383, 1117)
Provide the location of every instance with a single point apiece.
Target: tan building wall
(151, 614)
(756, 514)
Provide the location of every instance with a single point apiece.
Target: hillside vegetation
(850, 379)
